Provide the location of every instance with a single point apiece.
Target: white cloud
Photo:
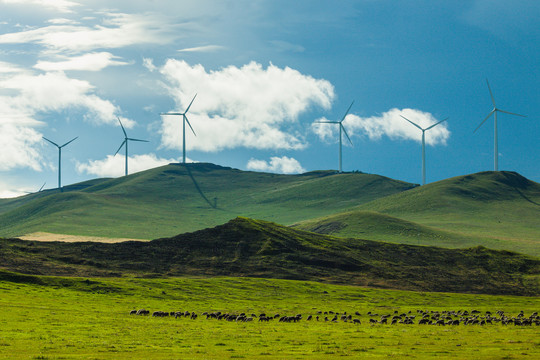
(64, 6)
(116, 31)
(389, 124)
(25, 96)
(281, 165)
(206, 48)
(88, 62)
(241, 107)
(114, 166)
(33, 95)
(19, 146)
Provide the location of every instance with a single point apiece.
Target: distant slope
(246, 247)
(499, 210)
(178, 198)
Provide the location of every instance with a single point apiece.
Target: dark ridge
(246, 247)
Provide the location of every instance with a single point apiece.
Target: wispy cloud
(281, 165)
(113, 166)
(88, 62)
(389, 124)
(117, 30)
(63, 6)
(206, 48)
(249, 106)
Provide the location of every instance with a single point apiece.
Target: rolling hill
(499, 210)
(179, 198)
(254, 248)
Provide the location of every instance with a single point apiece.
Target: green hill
(495, 209)
(246, 247)
(179, 198)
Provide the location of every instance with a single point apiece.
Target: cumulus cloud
(281, 165)
(389, 124)
(88, 62)
(247, 106)
(114, 166)
(116, 31)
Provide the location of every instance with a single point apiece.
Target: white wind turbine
(125, 142)
(494, 112)
(341, 129)
(424, 144)
(184, 120)
(60, 159)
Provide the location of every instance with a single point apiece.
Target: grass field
(72, 318)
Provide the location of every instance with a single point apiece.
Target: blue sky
(264, 73)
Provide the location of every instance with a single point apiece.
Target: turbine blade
(190, 104)
(137, 140)
(185, 118)
(69, 142)
(347, 135)
(491, 94)
(412, 122)
(123, 142)
(432, 126)
(492, 111)
(124, 130)
(171, 113)
(347, 112)
(52, 142)
(327, 122)
(508, 112)
(42, 186)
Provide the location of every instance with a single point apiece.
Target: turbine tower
(184, 120)
(341, 129)
(494, 112)
(424, 144)
(60, 159)
(125, 142)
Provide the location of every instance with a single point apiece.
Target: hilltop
(496, 209)
(254, 248)
(180, 198)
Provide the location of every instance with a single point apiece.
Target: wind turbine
(494, 112)
(125, 142)
(60, 159)
(184, 120)
(341, 129)
(424, 144)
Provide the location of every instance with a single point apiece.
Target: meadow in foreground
(65, 318)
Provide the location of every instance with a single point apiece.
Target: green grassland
(255, 248)
(179, 198)
(88, 318)
(499, 210)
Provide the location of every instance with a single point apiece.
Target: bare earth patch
(44, 236)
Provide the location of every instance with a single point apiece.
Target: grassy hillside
(179, 198)
(495, 209)
(246, 247)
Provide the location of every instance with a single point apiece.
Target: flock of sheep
(421, 317)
